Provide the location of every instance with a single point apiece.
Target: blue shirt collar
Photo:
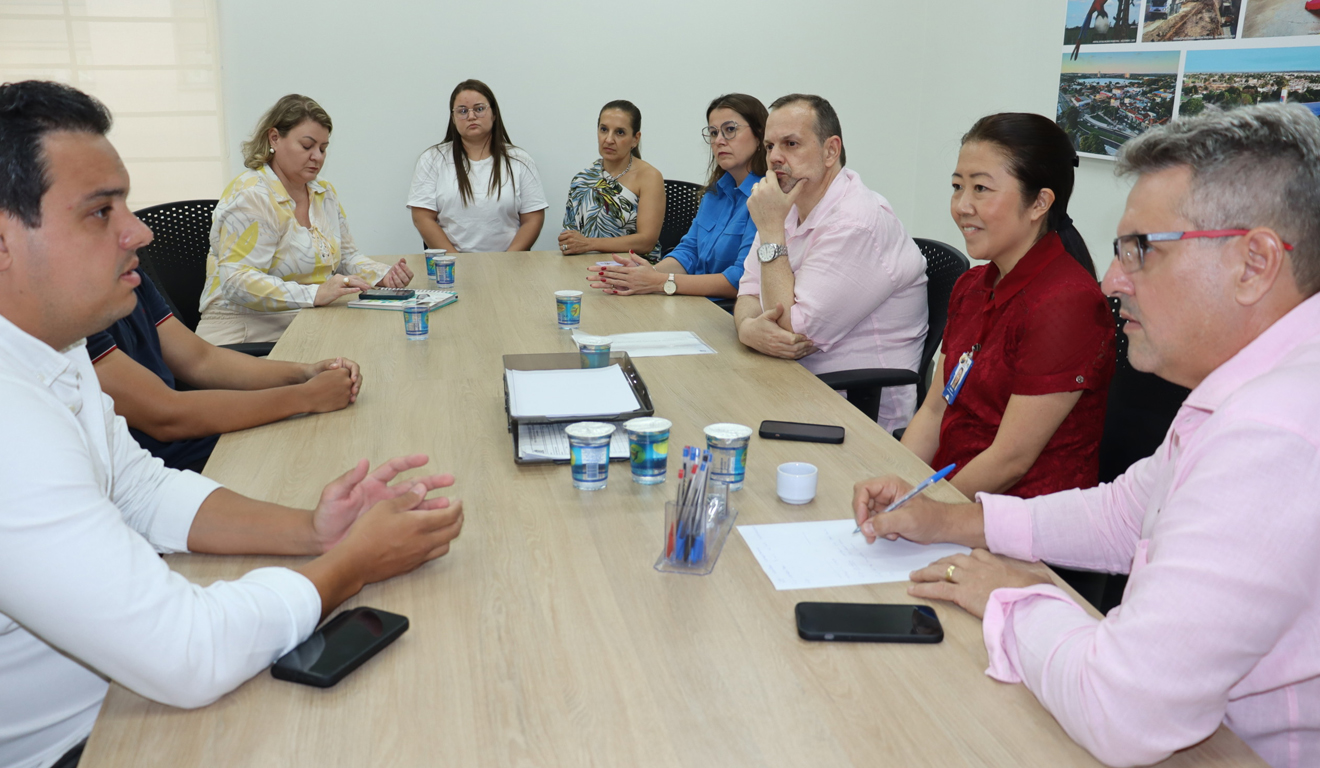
(726, 185)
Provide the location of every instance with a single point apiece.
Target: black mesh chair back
(1138, 412)
(944, 265)
(681, 201)
(176, 259)
(1140, 408)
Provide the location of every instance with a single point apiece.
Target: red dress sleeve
(1066, 343)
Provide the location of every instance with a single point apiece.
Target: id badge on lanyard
(959, 375)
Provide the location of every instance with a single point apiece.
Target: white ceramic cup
(797, 482)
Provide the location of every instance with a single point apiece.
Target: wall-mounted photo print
(1107, 98)
(1101, 21)
(1170, 20)
(1246, 76)
(1280, 18)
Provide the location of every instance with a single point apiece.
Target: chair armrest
(725, 304)
(254, 348)
(869, 378)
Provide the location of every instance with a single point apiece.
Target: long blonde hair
(287, 113)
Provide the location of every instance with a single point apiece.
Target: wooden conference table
(545, 638)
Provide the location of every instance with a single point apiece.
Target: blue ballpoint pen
(933, 479)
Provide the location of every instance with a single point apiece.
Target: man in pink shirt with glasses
(1218, 270)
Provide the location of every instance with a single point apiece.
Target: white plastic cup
(568, 309)
(431, 255)
(727, 444)
(416, 325)
(589, 446)
(648, 448)
(594, 351)
(444, 272)
(797, 482)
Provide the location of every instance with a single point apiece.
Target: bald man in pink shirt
(1218, 270)
(832, 279)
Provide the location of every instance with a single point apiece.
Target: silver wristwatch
(768, 252)
(671, 287)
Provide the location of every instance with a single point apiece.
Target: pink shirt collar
(1299, 326)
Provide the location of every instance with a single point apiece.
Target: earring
(272, 150)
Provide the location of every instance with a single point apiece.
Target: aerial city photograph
(1240, 77)
(1107, 98)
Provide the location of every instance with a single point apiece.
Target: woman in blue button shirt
(708, 261)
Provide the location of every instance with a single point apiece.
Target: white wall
(907, 78)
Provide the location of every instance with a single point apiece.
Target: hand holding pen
(895, 493)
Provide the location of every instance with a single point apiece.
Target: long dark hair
(1040, 156)
(634, 114)
(499, 143)
(751, 109)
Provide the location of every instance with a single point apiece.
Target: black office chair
(944, 265)
(176, 260)
(1139, 409)
(681, 201)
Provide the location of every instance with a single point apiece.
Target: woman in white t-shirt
(476, 191)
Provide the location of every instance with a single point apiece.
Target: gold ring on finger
(948, 575)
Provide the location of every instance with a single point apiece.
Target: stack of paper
(570, 392)
(657, 343)
(548, 441)
(828, 554)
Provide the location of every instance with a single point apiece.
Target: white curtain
(155, 64)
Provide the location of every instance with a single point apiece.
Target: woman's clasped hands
(630, 275)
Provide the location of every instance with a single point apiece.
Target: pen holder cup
(694, 534)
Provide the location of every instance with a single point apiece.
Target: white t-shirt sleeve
(426, 175)
(531, 197)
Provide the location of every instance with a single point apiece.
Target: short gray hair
(1251, 167)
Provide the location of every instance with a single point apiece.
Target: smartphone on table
(868, 623)
(388, 294)
(809, 433)
(339, 647)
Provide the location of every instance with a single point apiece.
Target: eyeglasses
(727, 130)
(479, 110)
(1131, 250)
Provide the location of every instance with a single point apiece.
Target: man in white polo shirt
(84, 511)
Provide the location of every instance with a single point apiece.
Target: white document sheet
(657, 343)
(548, 441)
(828, 554)
(570, 392)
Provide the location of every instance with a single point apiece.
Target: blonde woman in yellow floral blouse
(279, 237)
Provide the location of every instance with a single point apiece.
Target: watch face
(670, 286)
(769, 252)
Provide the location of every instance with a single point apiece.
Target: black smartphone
(339, 647)
(868, 623)
(388, 294)
(809, 433)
